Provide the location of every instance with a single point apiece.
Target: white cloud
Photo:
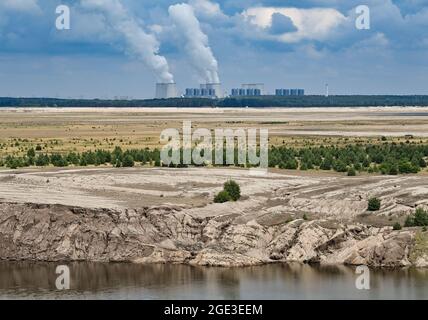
(312, 24)
(21, 5)
(207, 9)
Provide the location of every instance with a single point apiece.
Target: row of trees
(240, 102)
(386, 158)
(117, 158)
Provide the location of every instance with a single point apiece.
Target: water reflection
(278, 281)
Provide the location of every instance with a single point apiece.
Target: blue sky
(297, 43)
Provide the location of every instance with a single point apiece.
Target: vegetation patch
(387, 158)
(397, 226)
(420, 248)
(231, 192)
(374, 204)
(418, 219)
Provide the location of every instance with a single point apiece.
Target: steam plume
(196, 45)
(139, 43)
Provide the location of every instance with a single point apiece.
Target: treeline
(387, 158)
(322, 101)
(117, 158)
(232, 102)
(98, 103)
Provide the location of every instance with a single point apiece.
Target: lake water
(24, 280)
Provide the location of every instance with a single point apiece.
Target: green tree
(418, 219)
(291, 164)
(233, 189)
(340, 166)
(128, 161)
(31, 153)
(421, 217)
(374, 204)
(397, 226)
(222, 197)
(352, 172)
(327, 163)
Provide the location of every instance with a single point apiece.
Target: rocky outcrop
(167, 234)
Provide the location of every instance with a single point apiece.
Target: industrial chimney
(166, 90)
(215, 89)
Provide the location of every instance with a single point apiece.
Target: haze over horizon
(284, 44)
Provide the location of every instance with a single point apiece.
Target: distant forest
(232, 102)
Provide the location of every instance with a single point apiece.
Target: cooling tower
(166, 90)
(255, 87)
(216, 87)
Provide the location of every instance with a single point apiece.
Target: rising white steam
(196, 42)
(140, 44)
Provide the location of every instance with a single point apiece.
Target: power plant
(289, 92)
(208, 90)
(249, 89)
(214, 91)
(166, 90)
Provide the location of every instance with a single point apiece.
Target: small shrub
(352, 172)
(418, 219)
(393, 171)
(222, 197)
(128, 161)
(233, 189)
(305, 217)
(397, 226)
(340, 166)
(31, 153)
(421, 217)
(374, 204)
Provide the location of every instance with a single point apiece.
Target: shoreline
(168, 216)
(78, 234)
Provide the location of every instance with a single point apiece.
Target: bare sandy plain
(278, 196)
(85, 128)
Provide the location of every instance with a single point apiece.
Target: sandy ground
(276, 196)
(84, 129)
(308, 121)
(72, 129)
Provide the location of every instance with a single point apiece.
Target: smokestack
(139, 43)
(166, 90)
(196, 42)
(216, 87)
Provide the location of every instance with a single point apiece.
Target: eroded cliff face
(168, 234)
